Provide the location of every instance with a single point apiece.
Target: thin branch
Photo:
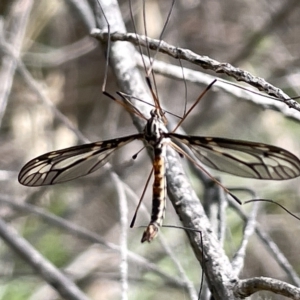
(233, 89)
(203, 61)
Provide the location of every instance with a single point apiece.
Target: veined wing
(70, 163)
(242, 158)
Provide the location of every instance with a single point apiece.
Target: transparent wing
(242, 158)
(70, 163)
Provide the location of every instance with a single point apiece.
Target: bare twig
(203, 61)
(234, 89)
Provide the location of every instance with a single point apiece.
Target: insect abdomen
(159, 196)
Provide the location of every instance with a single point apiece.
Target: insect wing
(243, 158)
(70, 163)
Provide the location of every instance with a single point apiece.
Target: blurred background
(55, 87)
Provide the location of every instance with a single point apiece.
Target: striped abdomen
(159, 195)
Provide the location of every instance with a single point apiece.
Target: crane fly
(241, 158)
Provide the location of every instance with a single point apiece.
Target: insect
(241, 158)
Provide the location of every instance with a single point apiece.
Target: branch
(233, 89)
(203, 61)
(216, 265)
(247, 287)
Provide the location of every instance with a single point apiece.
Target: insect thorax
(154, 129)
